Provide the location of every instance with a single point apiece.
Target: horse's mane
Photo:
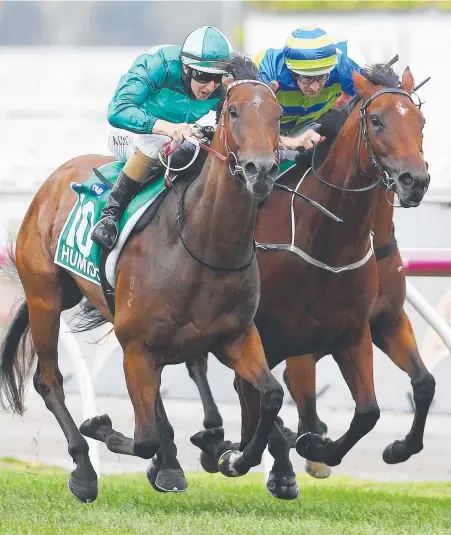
(239, 67)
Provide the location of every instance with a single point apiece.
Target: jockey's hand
(305, 140)
(177, 131)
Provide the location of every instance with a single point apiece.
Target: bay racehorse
(318, 291)
(186, 284)
(391, 332)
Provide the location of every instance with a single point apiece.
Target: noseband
(385, 179)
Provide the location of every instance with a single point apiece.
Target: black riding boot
(106, 232)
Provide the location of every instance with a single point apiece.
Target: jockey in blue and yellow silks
(311, 72)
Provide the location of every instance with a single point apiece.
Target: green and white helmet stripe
(206, 49)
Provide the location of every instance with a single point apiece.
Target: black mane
(241, 68)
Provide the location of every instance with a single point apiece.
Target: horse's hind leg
(356, 365)
(300, 378)
(164, 472)
(45, 301)
(400, 345)
(143, 379)
(197, 369)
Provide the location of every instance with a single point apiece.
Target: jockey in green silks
(311, 73)
(164, 91)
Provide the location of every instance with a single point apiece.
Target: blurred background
(60, 63)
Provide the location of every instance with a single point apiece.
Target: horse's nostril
(273, 171)
(251, 170)
(406, 179)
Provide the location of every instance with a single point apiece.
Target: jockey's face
(204, 87)
(311, 86)
(311, 89)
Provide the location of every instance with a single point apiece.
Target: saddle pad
(76, 252)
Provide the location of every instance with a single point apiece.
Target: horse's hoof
(318, 470)
(97, 427)
(208, 462)
(397, 452)
(166, 479)
(171, 480)
(282, 487)
(312, 447)
(227, 463)
(83, 492)
(208, 438)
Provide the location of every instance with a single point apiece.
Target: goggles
(203, 77)
(305, 79)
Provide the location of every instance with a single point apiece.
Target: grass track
(34, 500)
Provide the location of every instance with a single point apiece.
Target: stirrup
(105, 233)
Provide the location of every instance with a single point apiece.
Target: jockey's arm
(305, 140)
(147, 74)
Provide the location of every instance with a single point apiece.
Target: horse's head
(392, 130)
(250, 123)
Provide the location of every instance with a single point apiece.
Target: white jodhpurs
(124, 144)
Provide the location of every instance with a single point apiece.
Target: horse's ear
(274, 85)
(227, 80)
(407, 82)
(363, 87)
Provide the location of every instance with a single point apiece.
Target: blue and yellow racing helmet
(310, 51)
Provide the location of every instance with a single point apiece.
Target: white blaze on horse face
(256, 101)
(402, 109)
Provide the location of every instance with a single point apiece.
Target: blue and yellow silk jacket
(299, 110)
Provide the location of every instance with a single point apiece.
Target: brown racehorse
(391, 332)
(305, 309)
(184, 286)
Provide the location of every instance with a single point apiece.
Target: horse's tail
(17, 352)
(16, 358)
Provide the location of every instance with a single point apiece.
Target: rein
(363, 135)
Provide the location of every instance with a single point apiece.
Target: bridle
(235, 170)
(385, 178)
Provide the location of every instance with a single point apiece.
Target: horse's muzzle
(260, 175)
(411, 188)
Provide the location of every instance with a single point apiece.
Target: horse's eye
(232, 111)
(375, 121)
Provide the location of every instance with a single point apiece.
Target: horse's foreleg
(356, 365)
(400, 345)
(45, 308)
(143, 382)
(300, 378)
(164, 472)
(246, 357)
(197, 369)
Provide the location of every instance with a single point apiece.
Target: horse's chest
(193, 323)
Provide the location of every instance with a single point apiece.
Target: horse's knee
(424, 389)
(272, 399)
(145, 449)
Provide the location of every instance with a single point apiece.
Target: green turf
(35, 500)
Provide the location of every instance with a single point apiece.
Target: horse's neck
(347, 241)
(220, 216)
(383, 218)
